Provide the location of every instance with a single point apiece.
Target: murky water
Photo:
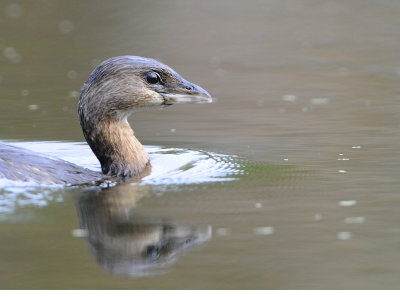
(307, 98)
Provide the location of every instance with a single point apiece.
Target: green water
(307, 97)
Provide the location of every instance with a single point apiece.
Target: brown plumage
(115, 89)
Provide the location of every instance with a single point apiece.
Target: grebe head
(121, 85)
(115, 89)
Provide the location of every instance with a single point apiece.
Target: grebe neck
(120, 153)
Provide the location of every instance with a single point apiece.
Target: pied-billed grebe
(115, 89)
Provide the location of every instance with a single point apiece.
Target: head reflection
(123, 241)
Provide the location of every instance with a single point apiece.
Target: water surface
(307, 96)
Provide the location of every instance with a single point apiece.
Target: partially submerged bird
(116, 88)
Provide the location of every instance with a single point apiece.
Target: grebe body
(116, 88)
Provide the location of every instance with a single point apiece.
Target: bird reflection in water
(123, 241)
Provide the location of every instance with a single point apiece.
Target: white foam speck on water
(347, 203)
(24, 92)
(289, 98)
(317, 217)
(223, 232)
(79, 233)
(33, 107)
(66, 26)
(354, 220)
(12, 55)
(344, 235)
(267, 230)
(74, 94)
(319, 101)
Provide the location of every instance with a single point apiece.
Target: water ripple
(171, 169)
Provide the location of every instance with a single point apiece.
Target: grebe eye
(152, 78)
